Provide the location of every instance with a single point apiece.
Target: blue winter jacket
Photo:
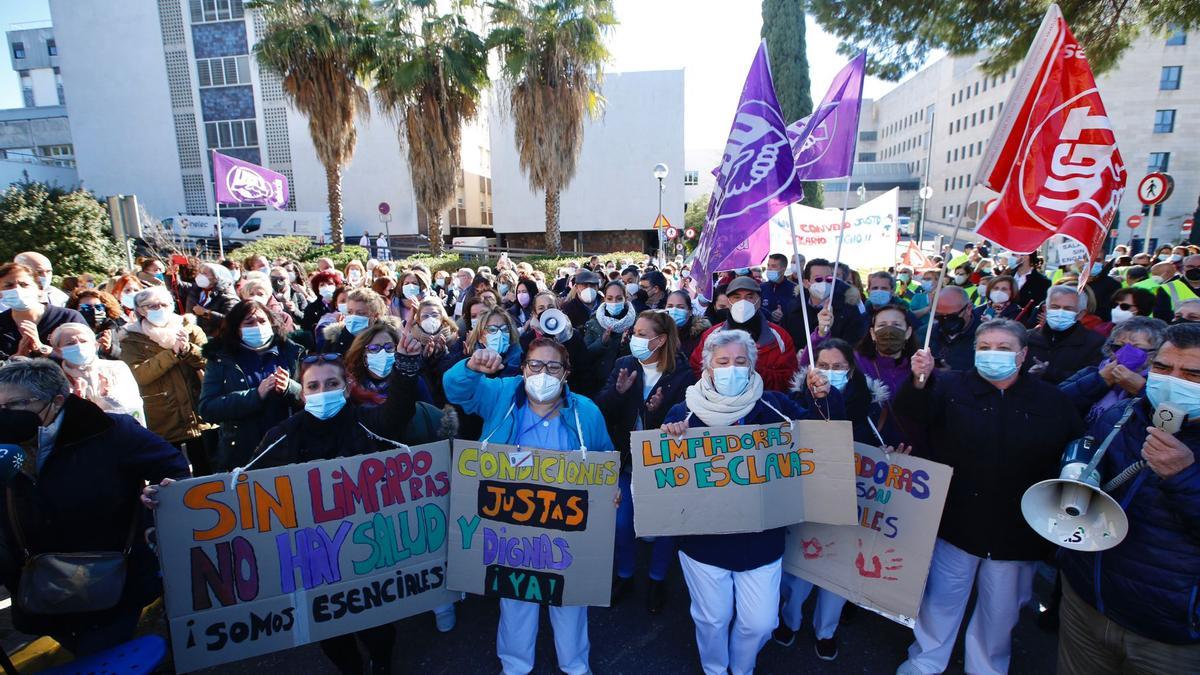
(1150, 582)
(497, 399)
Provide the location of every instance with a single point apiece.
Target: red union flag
(1053, 157)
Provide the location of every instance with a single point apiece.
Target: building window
(976, 88)
(867, 136)
(1170, 78)
(215, 10)
(866, 157)
(18, 50)
(223, 72)
(1164, 121)
(691, 177)
(1177, 39)
(991, 112)
(51, 48)
(232, 134)
(1159, 161)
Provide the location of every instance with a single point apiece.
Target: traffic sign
(661, 222)
(384, 208)
(1155, 188)
(925, 193)
(672, 232)
(1187, 224)
(1134, 222)
(689, 233)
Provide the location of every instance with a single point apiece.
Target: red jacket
(776, 355)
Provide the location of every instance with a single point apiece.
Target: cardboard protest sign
(749, 478)
(300, 553)
(882, 561)
(533, 525)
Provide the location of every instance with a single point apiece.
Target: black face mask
(95, 314)
(1192, 274)
(952, 324)
(18, 426)
(716, 316)
(278, 284)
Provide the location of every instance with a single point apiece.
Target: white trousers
(1003, 586)
(516, 638)
(715, 593)
(828, 611)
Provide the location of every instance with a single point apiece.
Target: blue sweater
(746, 550)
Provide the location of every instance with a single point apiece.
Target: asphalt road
(626, 639)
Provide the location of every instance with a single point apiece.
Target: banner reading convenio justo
(533, 525)
(296, 554)
(719, 480)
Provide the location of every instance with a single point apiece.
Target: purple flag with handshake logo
(239, 182)
(823, 143)
(755, 180)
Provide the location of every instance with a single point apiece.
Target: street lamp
(660, 172)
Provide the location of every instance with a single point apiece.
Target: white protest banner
(882, 561)
(870, 239)
(1065, 250)
(533, 525)
(296, 554)
(749, 478)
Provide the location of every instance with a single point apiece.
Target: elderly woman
(1002, 300)
(734, 569)
(641, 388)
(249, 382)
(363, 308)
(211, 297)
(1127, 355)
(164, 353)
(107, 383)
(77, 493)
(256, 287)
(533, 410)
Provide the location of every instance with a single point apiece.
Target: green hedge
(299, 248)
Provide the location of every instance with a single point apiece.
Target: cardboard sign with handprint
(881, 562)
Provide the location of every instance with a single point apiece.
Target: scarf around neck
(716, 409)
(618, 324)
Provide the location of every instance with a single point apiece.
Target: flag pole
(812, 357)
(217, 203)
(946, 263)
(841, 235)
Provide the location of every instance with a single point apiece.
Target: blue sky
(713, 40)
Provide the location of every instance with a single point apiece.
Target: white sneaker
(445, 618)
(909, 668)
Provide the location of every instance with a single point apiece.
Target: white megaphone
(553, 322)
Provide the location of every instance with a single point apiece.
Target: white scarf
(165, 335)
(716, 409)
(616, 325)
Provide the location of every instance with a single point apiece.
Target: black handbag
(66, 583)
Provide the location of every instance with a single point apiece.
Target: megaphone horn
(553, 322)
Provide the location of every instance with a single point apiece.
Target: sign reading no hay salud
(533, 525)
(720, 480)
(880, 562)
(296, 554)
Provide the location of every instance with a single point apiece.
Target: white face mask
(587, 295)
(79, 354)
(203, 281)
(741, 311)
(819, 289)
(19, 298)
(1120, 315)
(431, 324)
(543, 387)
(999, 297)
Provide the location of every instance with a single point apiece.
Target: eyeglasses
(19, 404)
(314, 358)
(827, 280)
(385, 347)
(493, 330)
(1126, 305)
(552, 367)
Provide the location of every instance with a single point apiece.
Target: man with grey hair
(1188, 312)
(953, 340)
(77, 491)
(1060, 346)
(1001, 431)
(43, 271)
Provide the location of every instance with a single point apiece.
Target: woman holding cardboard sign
(535, 410)
(742, 569)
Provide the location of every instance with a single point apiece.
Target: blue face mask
(1097, 268)
(325, 404)
(879, 297)
(837, 378)
(257, 335)
(356, 324)
(640, 348)
(380, 363)
(679, 314)
(773, 275)
(158, 317)
(497, 342)
(614, 308)
(996, 366)
(731, 380)
(1181, 393)
(1060, 319)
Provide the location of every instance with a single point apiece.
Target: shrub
(72, 229)
(340, 260)
(292, 248)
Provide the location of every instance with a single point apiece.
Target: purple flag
(239, 182)
(755, 180)
(823, 143)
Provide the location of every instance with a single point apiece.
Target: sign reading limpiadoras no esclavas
(299, 553)
(533, 525)
(880, 562)
(720, 480)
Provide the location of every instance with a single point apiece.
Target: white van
(185, 227)
(472, 244)
(312, 224)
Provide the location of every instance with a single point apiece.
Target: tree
(322, 50)
(694, 217)
(72, 229)
(899, 34)
(783, 29)
(430, 71)
(553, 55)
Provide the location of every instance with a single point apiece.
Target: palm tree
(322, 50)
(553, 53)
(430, 72)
